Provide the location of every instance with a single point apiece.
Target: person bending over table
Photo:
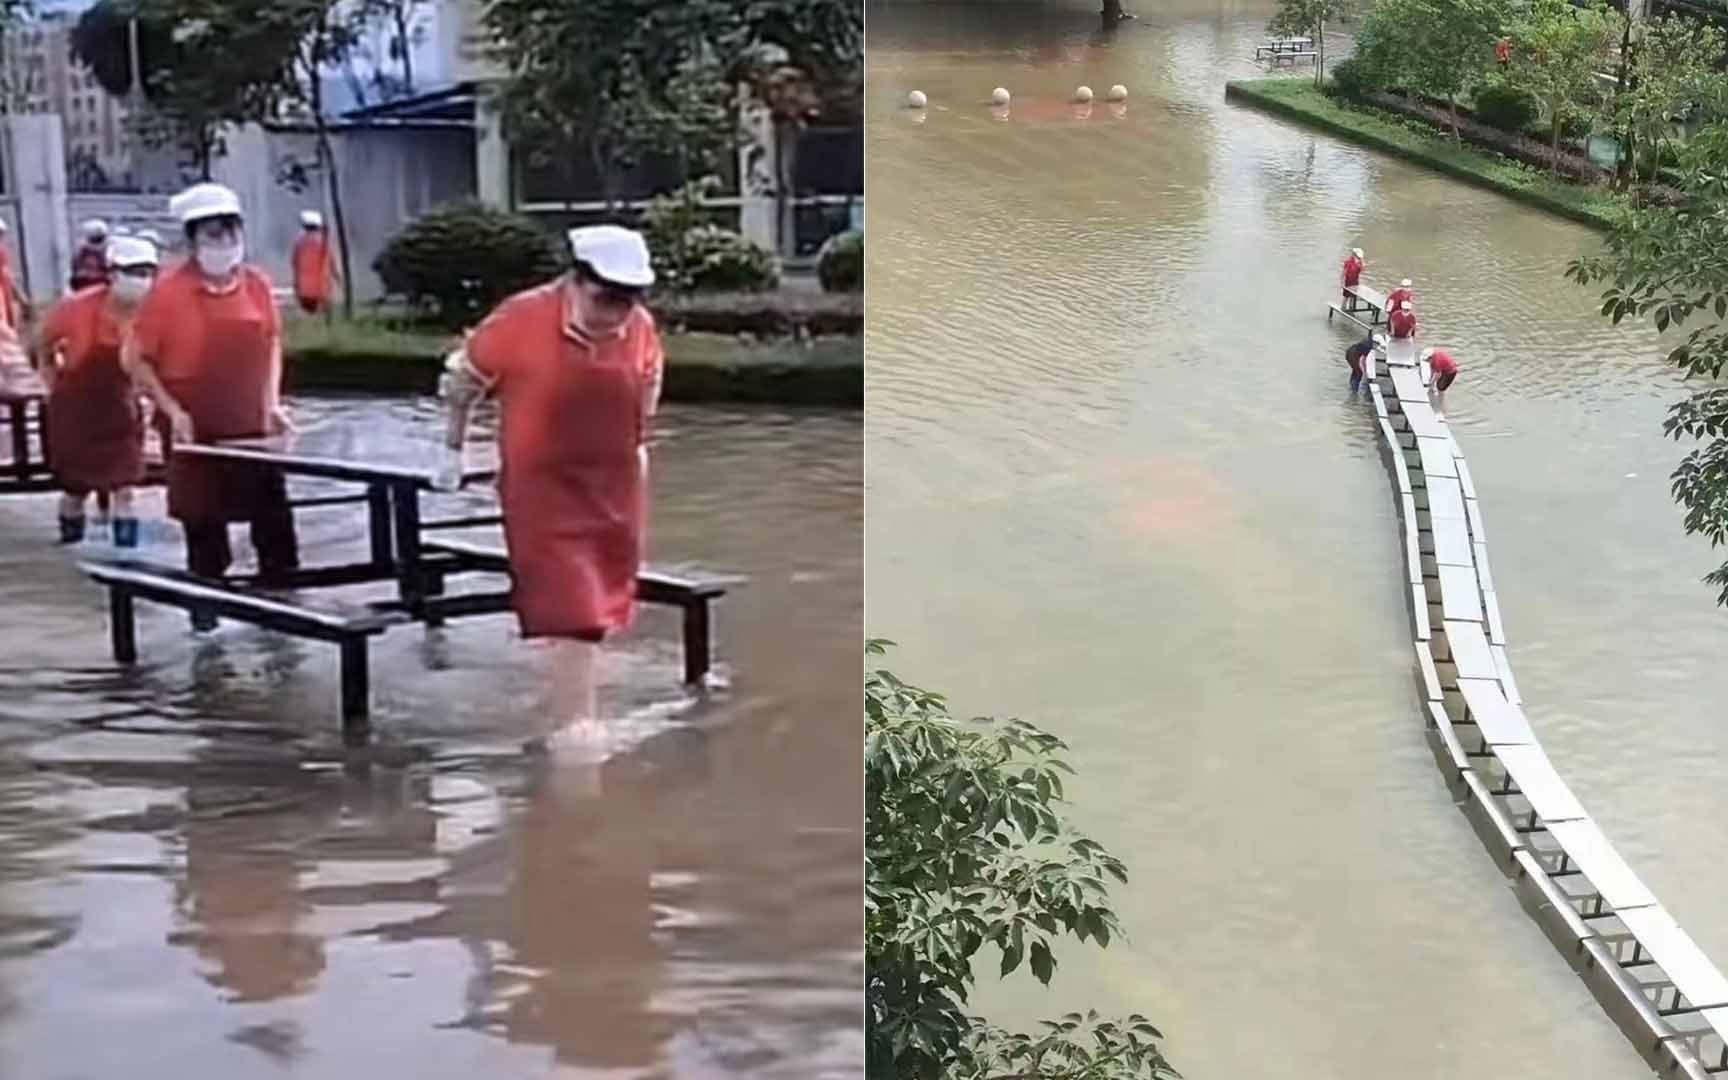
(576, 366)
(207, 349)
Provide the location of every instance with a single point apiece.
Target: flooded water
(196, 881)
(1117, 487)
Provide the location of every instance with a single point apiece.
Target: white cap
(1426, 353)
(204, 201)
(151, 235)
(94, 228)
(311, 219)
(131, 251)
(3, 227)
(1405, 283)
(616, 254)
(1357, 252)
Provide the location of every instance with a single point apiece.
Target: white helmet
(1426, 353)
(1405, 284)
(94, 229)
(311, 219)
(202, 201)
(1358, 253)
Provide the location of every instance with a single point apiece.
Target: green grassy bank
(1297, 99)
(366, 355)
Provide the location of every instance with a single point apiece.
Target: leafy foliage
(1666, 264)
(840, 262)
(1308, 18)
(457, 262)
(1557, 50)
(1434, 47)
(1505, 107)
(205, 64)
(965, 849)
(1673, 66)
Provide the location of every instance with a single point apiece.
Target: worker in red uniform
(1503, 52)
(1403, 294)
(576, 366)
(14, 308)
(95, 427)
(315, 273)
(1402, 321)
(1444, 367)
(90, 261)
(1352, 276)
(207, 348)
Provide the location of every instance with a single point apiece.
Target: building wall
(43, 78)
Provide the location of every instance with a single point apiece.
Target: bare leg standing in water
(576, 365)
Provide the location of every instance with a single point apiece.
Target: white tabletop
(1678, 955)
(1451, 543)
(1436, 457)
(1445, 498)
(1407, 384)
(1459, 598)
(1538, 781)
(1585, 845)
(1501, 724)
(1422, 420)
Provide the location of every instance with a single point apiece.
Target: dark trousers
(208, 553)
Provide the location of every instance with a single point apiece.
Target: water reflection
(194, 864)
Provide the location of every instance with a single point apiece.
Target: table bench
(692, 596)
(1693, 977)
(1497, 721)
(1444, 499)
(129, 581)
(1531, 775)
(1582, 845)
(1362, 298)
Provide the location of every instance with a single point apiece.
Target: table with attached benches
(400, 552)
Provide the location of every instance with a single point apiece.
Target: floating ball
(917, 100)
(1083, 94)
(999, 96)
(1118, 93)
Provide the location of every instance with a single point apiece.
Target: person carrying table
(1445, 374)
(95, 427)
(207, 349)
(1402, 321)
(1352, 276)
(1360, 357)
(1403, 294)
(576, 366)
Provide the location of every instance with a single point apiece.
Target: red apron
(95, 427)
(572, 487)
(225, 398)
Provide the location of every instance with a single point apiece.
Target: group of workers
(1400, 322)
(575, 365)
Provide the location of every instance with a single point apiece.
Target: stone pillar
(491, 154)
(757, 168)
(36, 151)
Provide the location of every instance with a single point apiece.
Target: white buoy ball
(917, 100)
(1083, 94)
(999, 96)
(1118, 93)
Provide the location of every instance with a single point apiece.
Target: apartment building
(39, 75)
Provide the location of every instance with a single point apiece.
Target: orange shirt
(312, 265)
(522, 349)
(1403, 323)
(172, 320)
(79, 325)
(1352, 271)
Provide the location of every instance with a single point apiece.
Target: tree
(1308, 18)
(1673, 66)
(204, 64)
(1666, 263)
(1557, 51)
(610, 81)
(1434, 47)
(964, 848)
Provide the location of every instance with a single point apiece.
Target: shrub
(459, 261)
(840, 262)
(1504, 107)
(693, 254)
(1351, 80)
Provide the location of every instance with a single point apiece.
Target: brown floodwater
(197, 881)
(1117, 487)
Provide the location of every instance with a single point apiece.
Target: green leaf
(1043, 964)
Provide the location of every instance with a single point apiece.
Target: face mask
(128, 289)
(219, 260)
